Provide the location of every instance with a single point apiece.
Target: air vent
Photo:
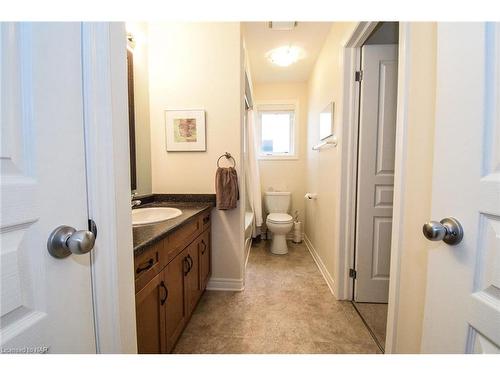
(282, 25)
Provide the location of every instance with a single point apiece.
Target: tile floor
(286, 307)
(375, 316)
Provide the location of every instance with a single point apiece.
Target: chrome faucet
(135, 202)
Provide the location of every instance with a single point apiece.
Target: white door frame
(350, 114)
(350, 109)
(108, 180)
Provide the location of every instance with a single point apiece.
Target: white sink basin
(142, 216)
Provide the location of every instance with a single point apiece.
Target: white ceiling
(260, 39)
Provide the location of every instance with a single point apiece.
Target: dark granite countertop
(146, 235)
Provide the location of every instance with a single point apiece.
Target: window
(276, 132)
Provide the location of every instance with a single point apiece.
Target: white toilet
(278, 221)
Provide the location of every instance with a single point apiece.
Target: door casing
(343, 284)
(108, 184)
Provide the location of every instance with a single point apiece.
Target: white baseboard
(326, 275)
(235, 285)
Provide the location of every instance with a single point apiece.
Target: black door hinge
(93, 227)
(352, 273)
(358, 76)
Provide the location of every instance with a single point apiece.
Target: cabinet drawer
(178, 240)
(147, 265)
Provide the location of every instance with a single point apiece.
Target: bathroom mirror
(138, 108)
(131, 117)
(326, 122)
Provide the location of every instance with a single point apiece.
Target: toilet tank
(277, 201)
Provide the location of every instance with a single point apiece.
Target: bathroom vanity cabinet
(170, 277)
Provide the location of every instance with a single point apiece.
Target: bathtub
(249, 216)
(248, 224)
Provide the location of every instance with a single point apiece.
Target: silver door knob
(64, 241)
(449, 230)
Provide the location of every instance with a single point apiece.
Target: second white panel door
(377, 131)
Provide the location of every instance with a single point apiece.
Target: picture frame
(185, 130)
(327, 121)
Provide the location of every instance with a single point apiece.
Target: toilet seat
(279, 218)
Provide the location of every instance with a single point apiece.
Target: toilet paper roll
(311, 196)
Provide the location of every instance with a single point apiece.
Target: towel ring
(228, 156)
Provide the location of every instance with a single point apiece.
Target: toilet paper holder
(311, 196)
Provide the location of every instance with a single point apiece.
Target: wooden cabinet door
(150, 316)
(192, 277)
(205, 259)
(175, 305)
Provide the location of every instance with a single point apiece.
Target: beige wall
(323, 167)
(199, 66)
(286, 175)
(418, 189)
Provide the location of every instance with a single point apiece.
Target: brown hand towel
(226, 188)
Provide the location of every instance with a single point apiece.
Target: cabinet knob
(204, 247)
(148, 265)
(163, 300)
(189, 262)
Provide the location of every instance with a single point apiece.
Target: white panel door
(462, 311)
(377, 135)
(46, 303)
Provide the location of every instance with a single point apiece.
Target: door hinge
(93, 227)
(358, 76)
(352, 273)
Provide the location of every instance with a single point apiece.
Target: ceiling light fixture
(285, 56)
(282, 25)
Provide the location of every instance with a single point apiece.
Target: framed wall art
(185, 130)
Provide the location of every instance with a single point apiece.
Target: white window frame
(278, 106)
